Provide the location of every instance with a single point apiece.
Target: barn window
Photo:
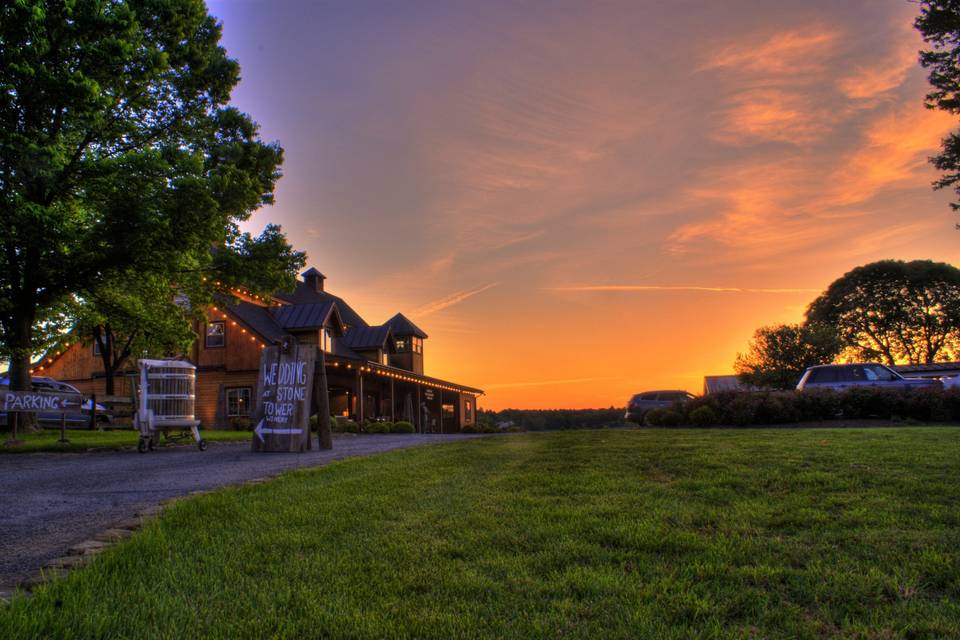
(216, 335)
(238, 402)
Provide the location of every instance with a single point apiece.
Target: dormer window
(407, 344)
(326, 340)
(216, 335)
(384, 358)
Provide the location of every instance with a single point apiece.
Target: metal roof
(402, 326)
(305, 294)
(257, 318)
(304, 316)
(934, 366)
(367, 337)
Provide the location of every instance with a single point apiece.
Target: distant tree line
(554, 419)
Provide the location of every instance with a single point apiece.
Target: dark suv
(642, 402)
(870, 374)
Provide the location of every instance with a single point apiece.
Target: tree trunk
(104, 339)
(322, 395)
(21, 352)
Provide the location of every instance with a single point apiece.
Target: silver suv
(642, 402)
(869, 374)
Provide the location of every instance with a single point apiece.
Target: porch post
(393, 403)
(360, 397)
(419, 411)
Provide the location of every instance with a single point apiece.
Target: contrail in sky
(543, 383)
(452, 299)
(654, 287)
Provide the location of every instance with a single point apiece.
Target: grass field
(806, 533)
(83, 440)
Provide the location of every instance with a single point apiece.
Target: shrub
(241, 424)
(403, 427)
(488, 428)
(344, 426)
(776, 408)
(740, 411)
(951, 403)
(377, 427)
(818, 405)
(470, 429)
(664, 418)
(703, 416)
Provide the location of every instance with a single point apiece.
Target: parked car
(867, 374)
(641, 403)
(42, 383)
(951, 383)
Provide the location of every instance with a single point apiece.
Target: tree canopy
(778, 355)
(939, 23)
(894, 311)
(121, 158)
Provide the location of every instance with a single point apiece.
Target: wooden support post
(360, 398)
(63, 428)
(321, 393)
(393, 402)
(93, 411)
(419, 412)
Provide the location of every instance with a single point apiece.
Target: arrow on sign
(260, 430)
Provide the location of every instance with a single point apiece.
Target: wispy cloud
(452, 299)
(776, 115)
(879, 75)
(655, 287)
(784, 53)
(545, 383)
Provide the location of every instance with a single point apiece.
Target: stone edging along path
(85, 552)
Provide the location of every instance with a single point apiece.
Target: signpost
(282, 414)
(13, 403)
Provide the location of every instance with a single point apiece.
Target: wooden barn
(374, 372)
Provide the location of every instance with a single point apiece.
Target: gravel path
(50, 502)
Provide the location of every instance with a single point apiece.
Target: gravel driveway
(50, 502)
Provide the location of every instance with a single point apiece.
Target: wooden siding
(211, 407)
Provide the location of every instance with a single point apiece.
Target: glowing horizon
(580, 202)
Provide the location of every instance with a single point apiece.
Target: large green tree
(778, 355)
(135, 314)
(939, 23)
(119, 155)
(894, 311)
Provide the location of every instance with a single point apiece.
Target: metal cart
(166, 393)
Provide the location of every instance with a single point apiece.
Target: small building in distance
(714, 384)
(937, 370)
(374, 372)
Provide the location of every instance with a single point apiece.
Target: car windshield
(879, 372)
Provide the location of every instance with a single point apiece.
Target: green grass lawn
(83, 440)
(761, 533)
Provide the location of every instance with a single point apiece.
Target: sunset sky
(583, 200)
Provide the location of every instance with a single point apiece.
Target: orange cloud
(876, 77)
(775, 115)
(787, 53)
(893, 153)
